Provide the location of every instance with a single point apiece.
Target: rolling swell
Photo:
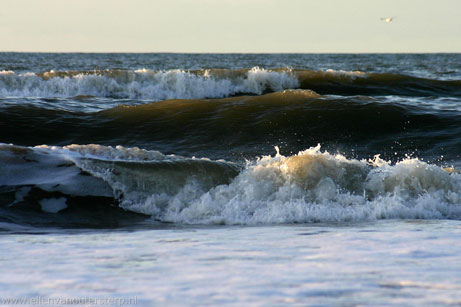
(248, 125)
(359, 83)
(216, 83)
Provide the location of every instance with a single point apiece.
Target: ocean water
(231, 179)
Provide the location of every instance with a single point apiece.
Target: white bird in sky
(388, 19)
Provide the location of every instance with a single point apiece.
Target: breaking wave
(146, 84)
(215, 83)
(311, 186)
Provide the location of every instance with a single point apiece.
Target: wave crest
(318, 187)
(145, 84)
(216, 83)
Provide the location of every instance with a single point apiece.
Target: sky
(293, 26)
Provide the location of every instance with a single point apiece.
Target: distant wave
(215, 83)
(146, 84)
(311, 186)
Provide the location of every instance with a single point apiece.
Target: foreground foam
(318, 187)
(312, 186)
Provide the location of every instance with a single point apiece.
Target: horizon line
(239, 52)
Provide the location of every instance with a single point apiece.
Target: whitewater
(311, 186)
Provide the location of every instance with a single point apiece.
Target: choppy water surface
(381, 264)
(221, 149)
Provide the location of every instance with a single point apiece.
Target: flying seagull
(388, 19)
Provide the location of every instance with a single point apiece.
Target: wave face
(311, 186)
(246, 125)
(360, 83)
(215, 83)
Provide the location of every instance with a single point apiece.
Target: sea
(168, 179)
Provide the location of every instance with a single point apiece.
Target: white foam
(344, 73)
(145, 84)
(258, 80)
(105, 152)
(313, 186)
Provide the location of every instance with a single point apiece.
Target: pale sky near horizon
(230, 25)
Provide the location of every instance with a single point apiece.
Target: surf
(310, 186)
